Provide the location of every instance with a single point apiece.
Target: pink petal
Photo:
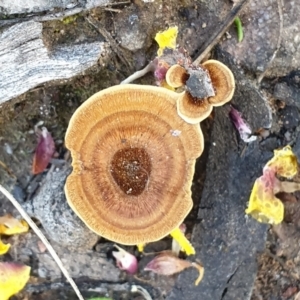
(125, 261)
(241, 126)
(161, 70)
(43, 152)
(167, 264)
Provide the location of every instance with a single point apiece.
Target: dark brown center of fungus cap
(131, 179)
(131, 168)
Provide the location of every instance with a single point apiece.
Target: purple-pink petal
(125, 261)
(43, 152)
(241, 125)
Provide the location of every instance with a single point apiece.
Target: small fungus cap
(133, 163)
(222, 80)
(191, 109)
(176, 76)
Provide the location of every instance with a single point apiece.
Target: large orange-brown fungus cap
(133, 163)
(222, 80)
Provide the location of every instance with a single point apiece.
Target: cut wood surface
(26, 62)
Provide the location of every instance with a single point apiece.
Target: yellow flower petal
(263, 205)
(9, 225)
(284, 162)
(13, 278)
(3, 248)
(166, 39)
(141, 247)
(183, 241)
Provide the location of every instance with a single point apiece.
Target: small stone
(133, 29)
(290, 117)
(287, 136)
(269, 144)
(62, 225)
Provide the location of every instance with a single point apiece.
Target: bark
(26, 62)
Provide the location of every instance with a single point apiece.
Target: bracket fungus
(222, 80)
(210, 84)
(131, 179)
(176, 76)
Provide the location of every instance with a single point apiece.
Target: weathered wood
(25, 62)
(9, 7)
(55, 9)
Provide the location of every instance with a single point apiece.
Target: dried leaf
(9, 225)
(166, 39)
(13, 278)
(168, 263)
(125, 260)
(241, 126)
(43, 152)
(4, 248)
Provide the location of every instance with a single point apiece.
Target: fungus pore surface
(133, 163)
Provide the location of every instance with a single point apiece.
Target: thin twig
(113, 9)
(216, 36)
(262, 75)
(138, 74)
(119, 3)
(37, 231)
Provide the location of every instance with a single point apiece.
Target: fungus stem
(183, 241)
(138, 74)
(38, 232)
